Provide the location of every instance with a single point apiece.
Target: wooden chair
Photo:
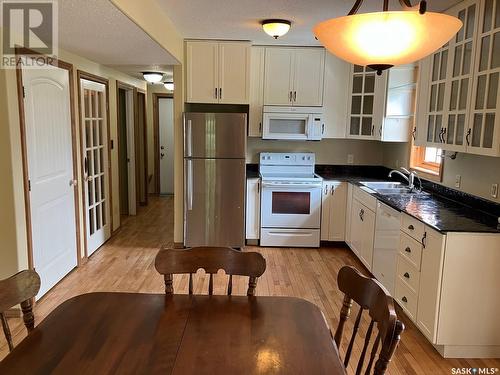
(170, 261)
(18, 289)
(370, 295)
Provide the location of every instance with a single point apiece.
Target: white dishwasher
(386, 245)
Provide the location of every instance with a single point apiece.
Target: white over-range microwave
(293, 123)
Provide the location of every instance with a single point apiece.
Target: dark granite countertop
(442, 208)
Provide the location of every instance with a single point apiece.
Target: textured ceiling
(239, 19)
(98, 31)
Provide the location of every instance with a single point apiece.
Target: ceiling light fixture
(381, 40)
(169, 86)
(276, 27)
(152, 77)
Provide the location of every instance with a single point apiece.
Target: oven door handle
(291, 186)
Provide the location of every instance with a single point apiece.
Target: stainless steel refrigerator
(214, 179)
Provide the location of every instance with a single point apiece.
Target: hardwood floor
(126, 263)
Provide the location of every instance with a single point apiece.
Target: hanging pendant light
(275, 27)
(381, 40)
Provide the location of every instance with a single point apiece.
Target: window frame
(428, 170)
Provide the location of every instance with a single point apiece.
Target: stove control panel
(293, 158)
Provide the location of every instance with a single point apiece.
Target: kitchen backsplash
(477, 173)
(328, 151)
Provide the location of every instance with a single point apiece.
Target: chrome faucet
(410, 179)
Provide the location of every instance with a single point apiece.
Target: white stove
(291, 200)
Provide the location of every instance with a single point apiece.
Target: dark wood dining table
(131, 333)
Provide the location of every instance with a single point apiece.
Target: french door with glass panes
(95, 164)
(367, 103)
(483, 134)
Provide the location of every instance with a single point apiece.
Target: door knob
(73, 182)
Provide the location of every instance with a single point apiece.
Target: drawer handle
(407, 275)
(411, 227)
(404, 299)
(408, 250)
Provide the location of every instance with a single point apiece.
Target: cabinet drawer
(412, 227)
(408, 273)
(406, 298)
(411, 250)
(366, 199)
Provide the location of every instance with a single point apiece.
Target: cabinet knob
(411, 227)
(404, 299)
(408, 250)
(407, 275)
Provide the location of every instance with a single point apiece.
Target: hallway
(126, 264)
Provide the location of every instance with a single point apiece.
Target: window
(427, 160)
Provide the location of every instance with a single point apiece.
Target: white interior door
(96, 164)
(166, 131)
(50, 171)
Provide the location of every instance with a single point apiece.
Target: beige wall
(12, 216)
(477, 173)
(328, 151)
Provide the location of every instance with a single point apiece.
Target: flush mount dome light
(169, 86)
(381, 40)
(152, 77)
(275, 27)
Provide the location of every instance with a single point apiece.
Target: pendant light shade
(384, 39)
(153, 77)
(276, 28)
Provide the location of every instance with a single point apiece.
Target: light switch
(494, 190)
(350, 159)
(458, 180)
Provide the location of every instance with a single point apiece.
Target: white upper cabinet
(366, 104)
(218, 72)
(278, 76)
(309, 71)
(335, 98)
(202, 72)
(483, 135)
(256, 91)
(458, 90)
(294, 76)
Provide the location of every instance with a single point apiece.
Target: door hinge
(24, 93)
(29, 185)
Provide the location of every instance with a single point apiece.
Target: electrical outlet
(494, 190)
(350, 159)
(458, 180)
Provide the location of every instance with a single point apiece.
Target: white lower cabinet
(362, 232)
(333, 211)
(253, 209)
(445, 282)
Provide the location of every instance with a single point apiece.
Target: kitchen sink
(390, 188)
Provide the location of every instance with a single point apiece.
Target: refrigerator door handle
(189, 185)
(189, 145)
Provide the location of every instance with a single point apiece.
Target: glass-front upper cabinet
(484, 124)
(459, 95)
(366, 102)
(435, 103)
(462, 50)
